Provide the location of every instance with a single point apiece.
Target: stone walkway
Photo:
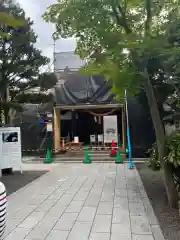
(79, 202)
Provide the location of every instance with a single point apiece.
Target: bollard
(113, 149)
(48, 158)
(3, 207)
(86, 157)
(118, 157)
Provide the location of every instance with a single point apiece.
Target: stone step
(93, 157)
(64, 159)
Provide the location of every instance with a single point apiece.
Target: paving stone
(142, 237)
(37, 200)
(11, 224)
(109, 190)
(22, 212)
(80, 231)
(157, 233)
(66, 221)
(45, 206)
(105, 208)
(105, 197)
(121, 229)
(137, 208)
(102, 224)
(120, 192)
(56, 195)
(100, 236)
(133, 184)
(87, 214)
(18, 234)
(143, 192)
(92, 201)
(75, 206)
(96, 191)
(120, 216)
(140, 225)
(150, 212)
(59, 207)
(65, 200)
(42, 229)
(57, 235)
(121, 185)
(134, 195)
(56, 212)
(119, 236)
(122, 203)
(32, 220)
(81, 196)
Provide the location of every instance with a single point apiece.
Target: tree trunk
(6, 115)
(171, 191)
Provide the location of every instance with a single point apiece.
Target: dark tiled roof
(79, 89)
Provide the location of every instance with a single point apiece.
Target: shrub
(153, 161)
(172, 152)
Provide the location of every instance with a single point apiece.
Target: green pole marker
(86, 157)
(48, 157)
(118, 157)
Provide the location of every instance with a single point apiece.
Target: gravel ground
(16, 180)
(169, 219)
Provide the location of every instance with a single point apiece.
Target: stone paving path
(79, 202)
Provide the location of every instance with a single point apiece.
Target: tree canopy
(7, 20)
(21, 61)
(108, 31)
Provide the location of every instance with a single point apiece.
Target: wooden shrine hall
(81, 105)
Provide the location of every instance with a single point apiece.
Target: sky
(34, 9)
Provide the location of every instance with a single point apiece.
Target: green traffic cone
(118, 157)
(86, 157)
(48, 157)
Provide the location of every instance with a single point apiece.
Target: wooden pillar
(73, 124)
(57, 129)
(123, 131)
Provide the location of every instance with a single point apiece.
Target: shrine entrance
(86, 123)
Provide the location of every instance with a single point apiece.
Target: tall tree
(41, 92)
(7, 20)
(20, 61)
(119, 38)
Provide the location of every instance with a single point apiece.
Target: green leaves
(153, 161)
(173, 149)
(117, 37)
(172, 154)
(47, 81)
(10, 21)
(20, 62)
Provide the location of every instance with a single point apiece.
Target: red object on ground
(113, 148)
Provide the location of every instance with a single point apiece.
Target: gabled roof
(80, 89)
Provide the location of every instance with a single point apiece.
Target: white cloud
(34, 9)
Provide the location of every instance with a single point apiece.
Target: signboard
(110, 129)
(100, 137)
(92, 138)
(49, 127)
(10, 148)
